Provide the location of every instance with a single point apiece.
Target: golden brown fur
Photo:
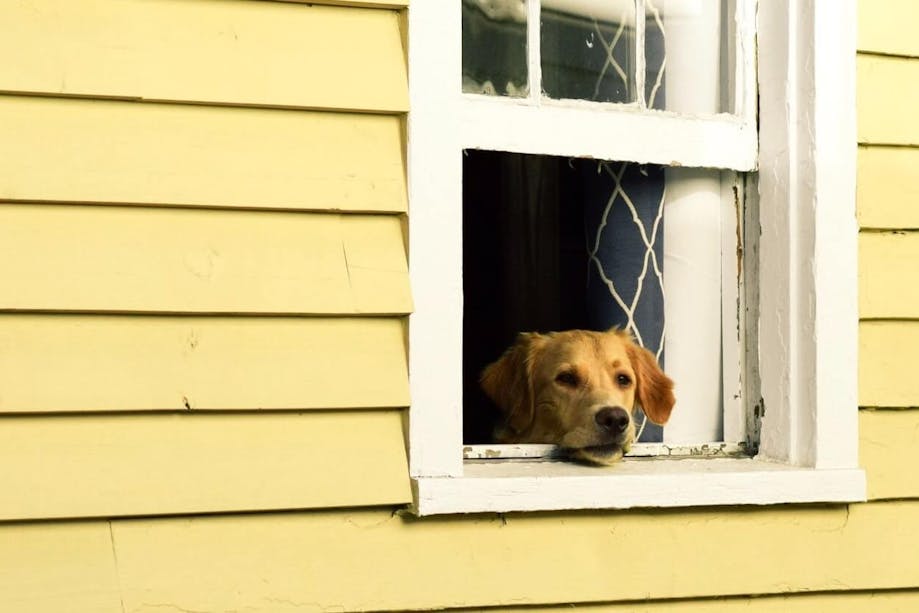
(577, 389)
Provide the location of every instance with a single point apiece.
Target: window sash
(581, 128)
(445, 121)
(807, 332)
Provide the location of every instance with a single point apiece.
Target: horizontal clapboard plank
(215, 51)
(886, 27)
(138, 363)
(888, 96)
(71, 150)
(90, 466)
(888, 275)
(888, 363)
(888, 441)
(73, 566)
(888, 187)
(370, 560)
(105, 258)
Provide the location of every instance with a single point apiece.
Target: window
(513, 97)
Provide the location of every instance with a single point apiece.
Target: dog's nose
(612, 419)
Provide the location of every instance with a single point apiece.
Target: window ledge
(512, 485)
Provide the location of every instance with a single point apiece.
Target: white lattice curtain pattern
(624, 208)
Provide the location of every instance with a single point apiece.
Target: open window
(581, 164)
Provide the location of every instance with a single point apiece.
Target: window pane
(687, 58)
(495, 47)
(588, 50)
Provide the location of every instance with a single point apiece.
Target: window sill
(500, 486)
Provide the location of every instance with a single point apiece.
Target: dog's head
(577, 389)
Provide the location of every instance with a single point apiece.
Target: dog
(577, 389)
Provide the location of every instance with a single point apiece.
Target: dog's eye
(567, 378)
(623, 380)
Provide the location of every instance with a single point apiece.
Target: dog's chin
(603, 455)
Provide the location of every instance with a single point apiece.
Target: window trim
(808, 320)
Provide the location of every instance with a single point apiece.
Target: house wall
(202, 354)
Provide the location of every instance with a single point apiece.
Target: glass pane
(588, 50)
(687, 55)
(495, 47)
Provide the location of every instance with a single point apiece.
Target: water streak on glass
(495, 47)
(588, 50)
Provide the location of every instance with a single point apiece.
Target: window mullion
(534, 52)
(744, 69)
(640, 54)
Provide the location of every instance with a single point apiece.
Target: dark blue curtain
(623, 219)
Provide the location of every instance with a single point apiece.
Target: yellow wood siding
(888, 187)
(888, 26)
(50, 568)
(479, 561)
(887, 194)
(888, 364)
(125, 152)
(889, 275)
(226, 270)
(888, 441)
(185, 260)
(888, 96)
(393, 4)
(87, 466)
(839, 602)
(223, 51)
(370, 559)
(130, 363)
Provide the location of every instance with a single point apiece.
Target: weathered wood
(136, 363)
(888, 96)
(122, 152)
(218, 51)
(104, 258)
(888, 187)
(100, 465)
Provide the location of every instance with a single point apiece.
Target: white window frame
(805, 288)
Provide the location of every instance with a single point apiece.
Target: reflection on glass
(495, 47)
(655, 56)
(687, 59)
(588, 50)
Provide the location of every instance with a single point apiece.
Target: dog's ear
(508, 382)
(653, 388)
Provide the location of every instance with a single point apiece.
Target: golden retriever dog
(577, 389)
